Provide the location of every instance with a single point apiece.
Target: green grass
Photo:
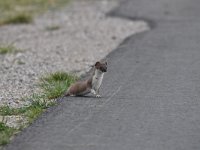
(18, 19)
(6, 111)
(30, 112)
(35, 109)
(55, 84)
(22, 11)
(8, 49)
(5, 133)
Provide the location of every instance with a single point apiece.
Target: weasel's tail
(67, 93)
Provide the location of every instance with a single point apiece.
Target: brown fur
(84, 87)
(77, 88)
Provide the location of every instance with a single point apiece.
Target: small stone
(114, 37)
(15, 121)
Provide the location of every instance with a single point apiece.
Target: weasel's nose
(103, 69)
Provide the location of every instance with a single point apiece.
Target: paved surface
(151, 94)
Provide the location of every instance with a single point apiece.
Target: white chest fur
(97, 79)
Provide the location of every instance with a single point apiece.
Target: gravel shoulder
(83, 35)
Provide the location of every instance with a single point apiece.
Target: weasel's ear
(97, 64)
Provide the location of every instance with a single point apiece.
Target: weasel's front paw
(98, 96)
(93, 91)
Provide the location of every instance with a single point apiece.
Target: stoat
(92, 85)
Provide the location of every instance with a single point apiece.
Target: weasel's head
(101, 66)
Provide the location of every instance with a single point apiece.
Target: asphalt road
(151, 93)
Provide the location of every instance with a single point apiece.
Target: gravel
(83, 35)
(14, 121)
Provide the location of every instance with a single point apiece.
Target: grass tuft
(55, 84)
(8, 49)
(5, 133)
(34, 110)
(7, 111)
(30, 112)
(19, 19)
(22, 11)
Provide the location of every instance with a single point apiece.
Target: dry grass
(22, 11)
(8, 49)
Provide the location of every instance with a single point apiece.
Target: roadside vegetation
(55, 84)
(17, 19)
(4, 49)
(23, 11)
(5, 133)
(52, 86)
